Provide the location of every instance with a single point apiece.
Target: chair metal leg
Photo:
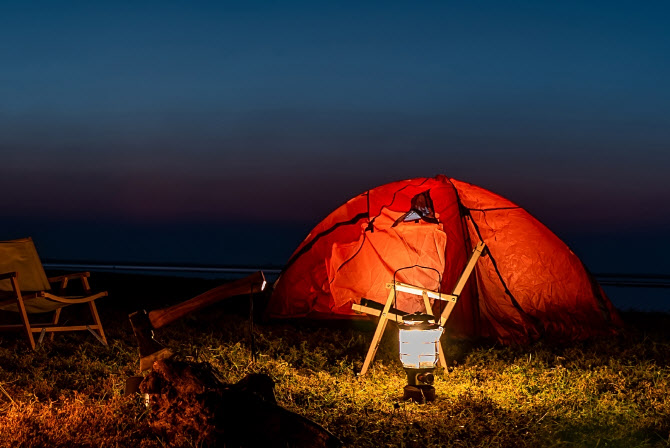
(102, 341)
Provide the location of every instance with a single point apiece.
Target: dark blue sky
(161, 113)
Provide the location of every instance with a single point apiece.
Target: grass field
(608, 392)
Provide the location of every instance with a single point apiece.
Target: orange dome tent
(421, 231)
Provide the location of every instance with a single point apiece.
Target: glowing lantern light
(419, 338)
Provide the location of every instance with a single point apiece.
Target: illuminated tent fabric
(528, 285)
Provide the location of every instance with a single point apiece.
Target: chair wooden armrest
(73, 300)
(7, 275)
(63, 280)
(60, 278)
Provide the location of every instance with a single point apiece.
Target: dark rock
(189, 402)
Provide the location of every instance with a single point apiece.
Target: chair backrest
(21, 256)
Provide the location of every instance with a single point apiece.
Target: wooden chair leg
(54, 322)
(440, 351)
(87, 286)
(379, 332)
(26, 324)
(22, 313)
(98, 323)
(462, 280)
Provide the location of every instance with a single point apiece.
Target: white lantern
(419, 352)
(419, 336)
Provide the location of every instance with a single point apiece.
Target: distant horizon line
(605, 278)
(148, 266)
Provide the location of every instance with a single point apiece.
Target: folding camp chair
(387, 313)
(25, 288)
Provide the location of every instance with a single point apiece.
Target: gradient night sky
(156, 130)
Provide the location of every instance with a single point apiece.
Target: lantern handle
(402, 287)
